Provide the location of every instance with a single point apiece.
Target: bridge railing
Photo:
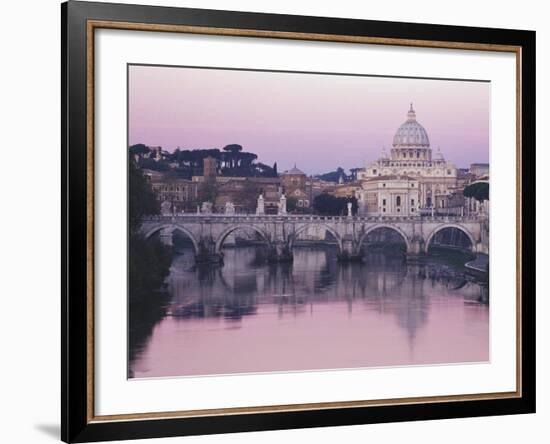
(226, 218)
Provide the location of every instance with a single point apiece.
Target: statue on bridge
(282, 205)
(280, 233)
(206, 208)
(229, 208)
(260, 207)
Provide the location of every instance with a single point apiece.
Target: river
(249, 316)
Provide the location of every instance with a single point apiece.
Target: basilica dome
(411, 133)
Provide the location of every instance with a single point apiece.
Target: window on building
(399, 210)
(398, 201)
(384, 202)
(412, 210)
(373, 171)
(412, 202)
(383, 210)
(384, 185)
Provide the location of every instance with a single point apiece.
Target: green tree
(478, 190)
(334, 176)
(139, 148)
(208, 192)
(329, 205)
(233, 148)
(142, 200)
(247, 197)
(291, 204)
(148, 260)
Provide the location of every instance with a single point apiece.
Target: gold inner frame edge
(92, 25)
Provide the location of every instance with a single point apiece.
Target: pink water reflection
(317, 316)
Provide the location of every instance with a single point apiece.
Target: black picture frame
(77, 425)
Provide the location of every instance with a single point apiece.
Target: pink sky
(317, 121)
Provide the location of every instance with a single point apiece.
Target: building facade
(479, 169)
(346, 190)
(243, 192)
(210, 168)
(295, 185)
(176, 195)
(411, 156)
(389, 196)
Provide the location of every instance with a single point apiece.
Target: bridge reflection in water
(316, 313)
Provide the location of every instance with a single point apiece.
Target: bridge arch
(292, 238)
(390, 227)
(443, 227)
(171, 228)
(231, 229)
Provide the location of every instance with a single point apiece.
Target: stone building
(210, 168)
(411, 156)
(243, 192)
(175, 194)
(295, 185)
(479, 169)
(346, 190)
(389, 196)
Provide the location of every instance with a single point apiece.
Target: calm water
(314, 314)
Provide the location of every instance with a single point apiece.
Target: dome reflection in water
(251, 316)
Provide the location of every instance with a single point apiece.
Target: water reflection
(248, 316)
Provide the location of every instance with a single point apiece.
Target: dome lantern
(411, 134)
(411, 115)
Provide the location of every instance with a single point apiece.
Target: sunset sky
(317, 121)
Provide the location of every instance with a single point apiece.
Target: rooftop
(294, 171)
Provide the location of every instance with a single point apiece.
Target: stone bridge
(208, 232)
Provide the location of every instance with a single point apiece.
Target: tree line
(148, 262)
(232, 161)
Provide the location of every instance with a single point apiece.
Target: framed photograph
(275, 221)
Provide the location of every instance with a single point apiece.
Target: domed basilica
(410, 167)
